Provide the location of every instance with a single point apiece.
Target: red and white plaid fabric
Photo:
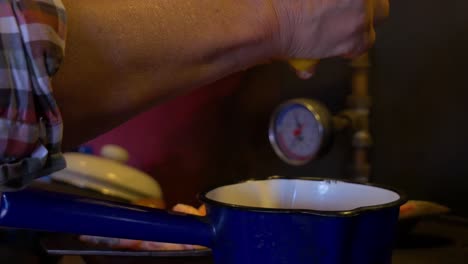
(32, 44)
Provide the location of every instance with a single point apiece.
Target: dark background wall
(420, 88)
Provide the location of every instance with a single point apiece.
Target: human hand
(318, 29)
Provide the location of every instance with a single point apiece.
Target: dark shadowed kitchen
(365, 162)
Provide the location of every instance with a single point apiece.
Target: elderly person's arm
(124, 55)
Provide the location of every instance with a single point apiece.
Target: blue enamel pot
(274, 221)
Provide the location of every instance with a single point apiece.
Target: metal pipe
(359, 103)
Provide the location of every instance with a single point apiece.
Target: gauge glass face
(297, 133)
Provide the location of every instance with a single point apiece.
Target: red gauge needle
(297, 132)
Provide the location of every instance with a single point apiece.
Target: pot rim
(341, 213)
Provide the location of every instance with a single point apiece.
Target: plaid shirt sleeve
(32, 43)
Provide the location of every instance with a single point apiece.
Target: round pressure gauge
(299, 130)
